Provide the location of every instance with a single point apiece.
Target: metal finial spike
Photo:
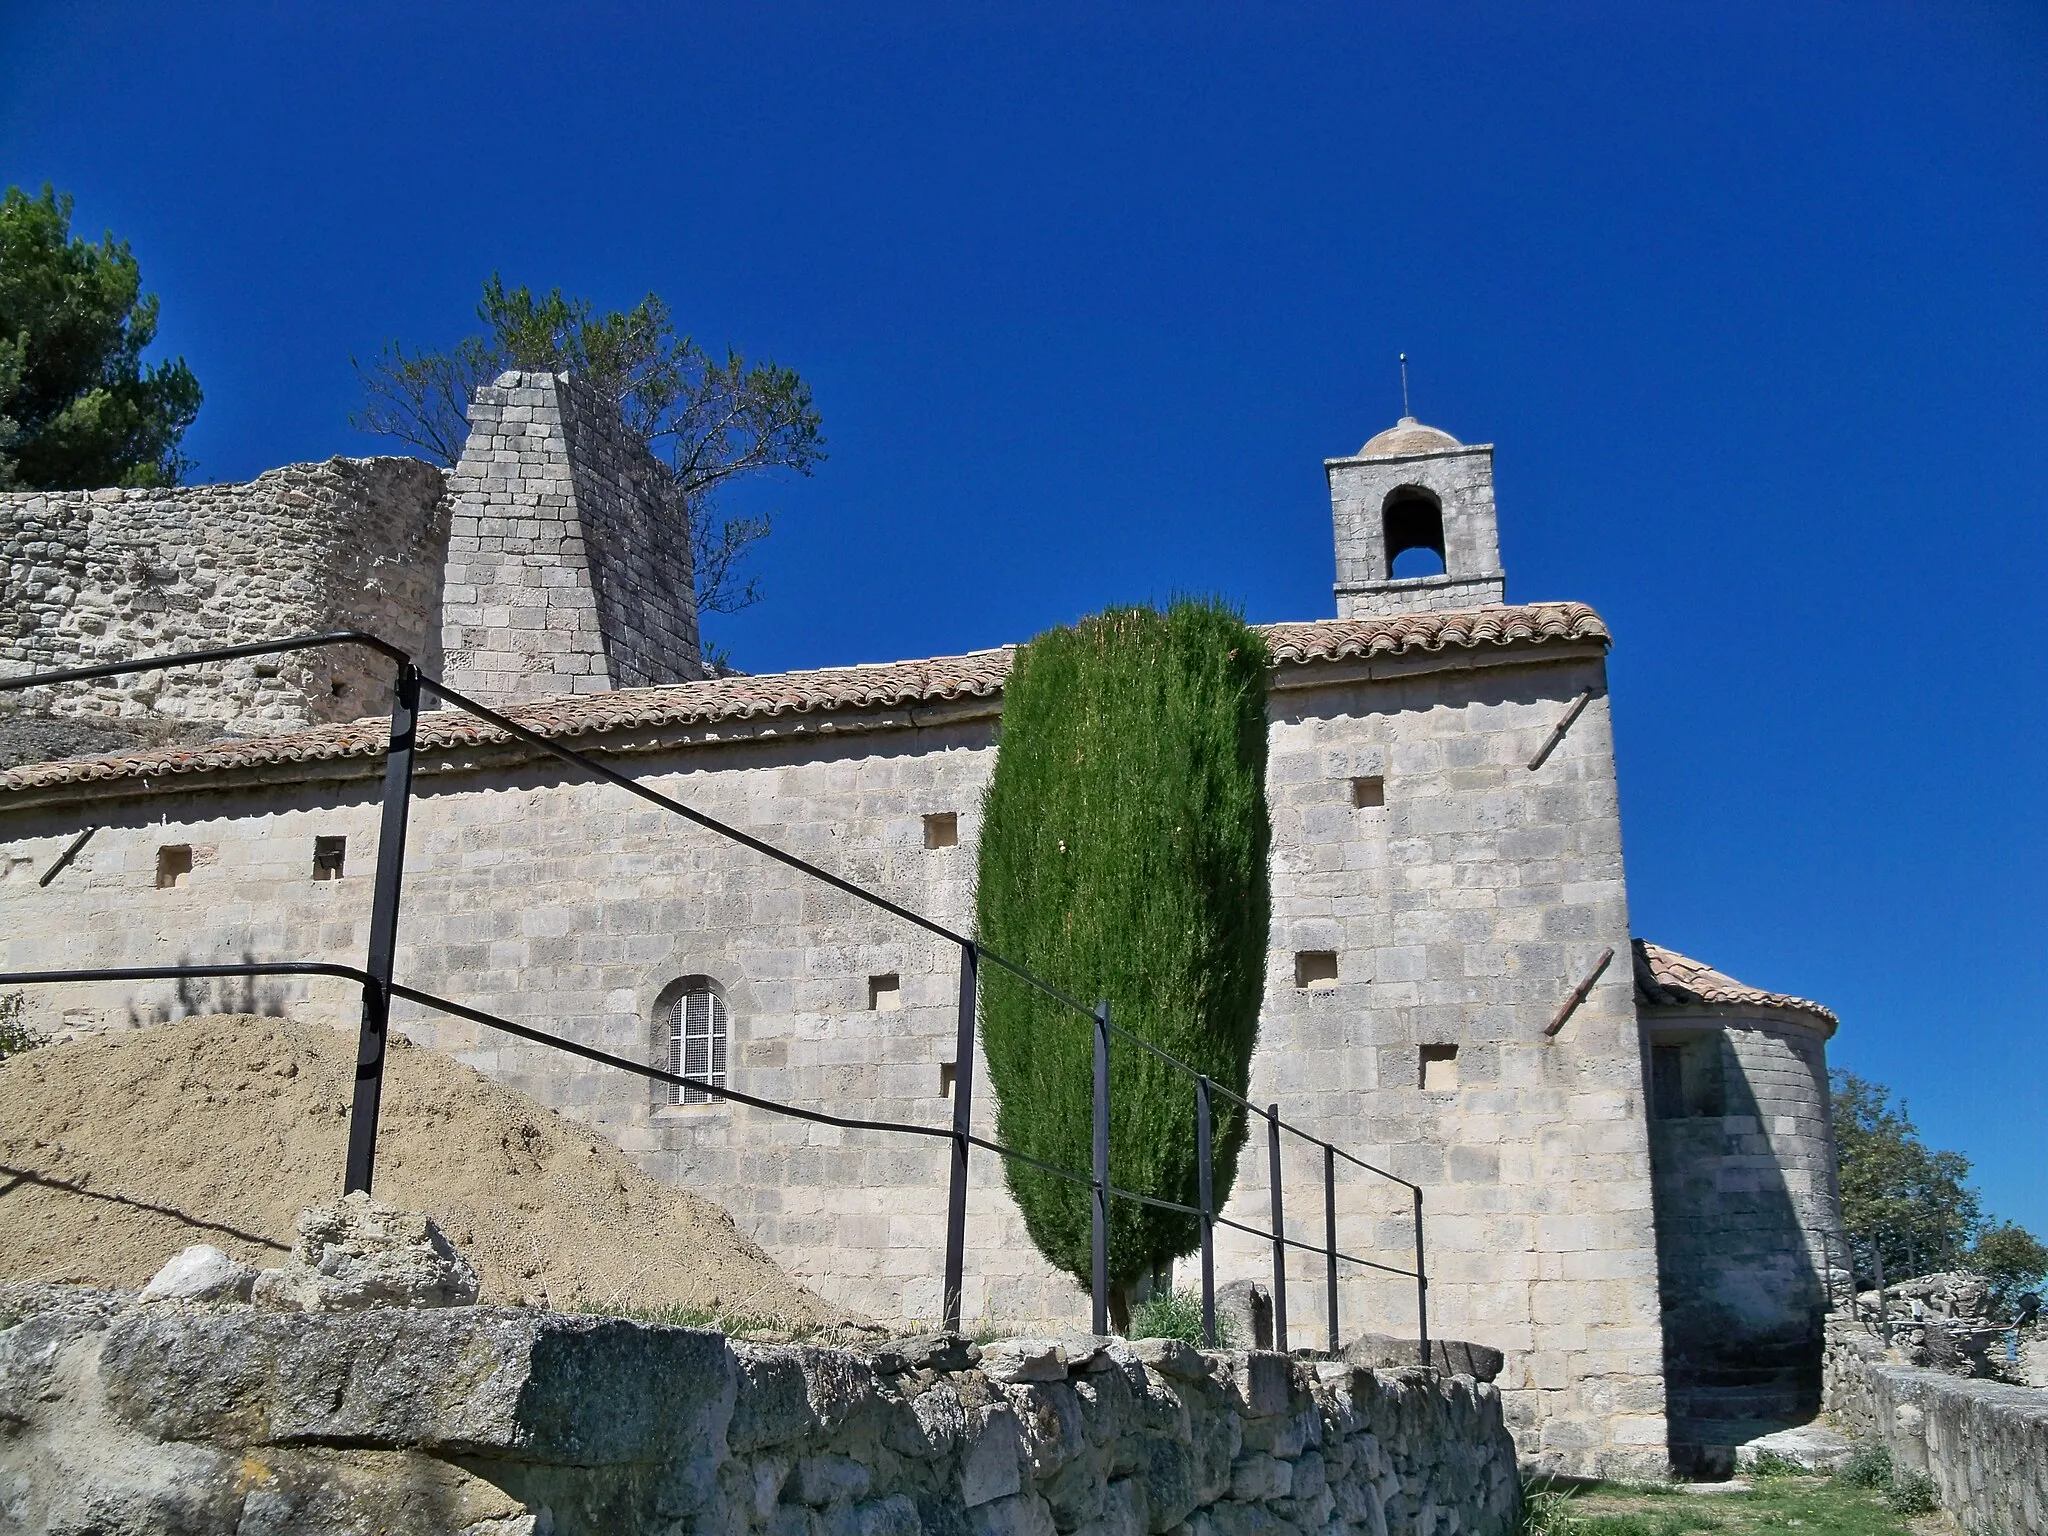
(1405, 412)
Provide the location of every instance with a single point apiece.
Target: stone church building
(1626, 1155)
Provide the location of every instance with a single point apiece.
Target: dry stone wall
(94, 576)
(1984, 1444)
(174, 1418)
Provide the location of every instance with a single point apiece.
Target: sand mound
(117, 1151)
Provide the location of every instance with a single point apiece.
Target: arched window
(1413, 521)
(696, 1034)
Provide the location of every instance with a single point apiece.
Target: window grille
(696, 1045)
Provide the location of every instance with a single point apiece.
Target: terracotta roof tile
(1665, 978)
(891, 685)
(1467, 628)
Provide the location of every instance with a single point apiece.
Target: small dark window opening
(1369, 793)
(885, 993)
(1685, 1079)
(1414, 526)
(942, 829)
(947, 1072)
(1315, 969)
(173, 866)
(329, 855)
(1439, 1068)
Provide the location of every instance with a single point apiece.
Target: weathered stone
(1264, 1383)
(831, 1480)
(1009, 1360)
(1453, 1356)
(1257, 1476)
(1049, 1416)
(201, 1273)
(1170, 1357)
(362, 1253)
(1244, 1315)
(992, 1467)
(1815, 1447)
(1168, 1475)
(926, 1352)
(1021, 1514)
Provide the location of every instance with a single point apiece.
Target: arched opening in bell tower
(1413, 523)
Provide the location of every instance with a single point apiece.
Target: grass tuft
(1869, 1466)
(1178, 1315)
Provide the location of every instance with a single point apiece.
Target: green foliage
(1123, 856)
(1868, 1466)
(15, 1036)
(1772, 1464)
(78, 410)
(2012, 1259)
(1178, 1315)
(1912, 1494)
(1811, 1505)
(1912, 1204)
(710, 420)
(1547, 1511)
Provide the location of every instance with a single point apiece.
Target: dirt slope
(117, 1151)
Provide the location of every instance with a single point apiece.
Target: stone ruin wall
(95, 576)
(493, 1421)
(1983, 1443)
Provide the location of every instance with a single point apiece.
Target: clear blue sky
(1753, 298)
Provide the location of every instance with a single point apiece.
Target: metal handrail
(380, 986)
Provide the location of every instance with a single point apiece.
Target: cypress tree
(1123, 856)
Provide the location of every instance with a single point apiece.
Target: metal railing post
(963, 1106)
(1279, 1230)
(384, 897)
(1884, 1311)
(1330, 1236)
(1421, 1284)
(1205, 1183)
(1098, 1257)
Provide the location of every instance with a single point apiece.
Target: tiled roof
(890, 685)
(1466, 628)
(1665, 978)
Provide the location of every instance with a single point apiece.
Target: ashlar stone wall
(1747, 1225)
(491, 1421)
(569, 561)
(94, 576)
(1459, 912)
(1461, 481)
(1463, 895)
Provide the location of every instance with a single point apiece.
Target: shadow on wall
(1743, 1302)
(201, 996)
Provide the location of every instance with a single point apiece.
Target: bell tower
(1415, 524)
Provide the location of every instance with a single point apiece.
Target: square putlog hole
(330, 855)
(1439, 1068)
(885, 993)
(1369, 793)
(173, 866)
(942, 829)
(1315, 970)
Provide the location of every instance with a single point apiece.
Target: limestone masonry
(1626, 1158)
(490, 1421)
